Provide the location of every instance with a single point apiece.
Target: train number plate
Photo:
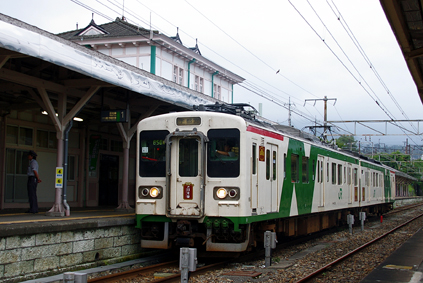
(188, 190)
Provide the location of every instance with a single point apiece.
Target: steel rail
(317, 272)
(131, 273)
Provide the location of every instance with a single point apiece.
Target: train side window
(318, 172)
(339, 174)
(377, 179)
(333, 173)
(327, 172)
(314, 168)
(254, 159)
(267, 164)
(367, 179)
(321, 171)
(274, 165)
(355, 174)
(345, 174)
(304, 178)
(349, 176)
(284, 166)
(295, 168)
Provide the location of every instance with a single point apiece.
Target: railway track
(162, 272)
(172, 274)
(348, 255)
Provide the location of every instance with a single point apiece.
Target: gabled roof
(195, 48)
(176, 38)
(92, 29)
(117, 28)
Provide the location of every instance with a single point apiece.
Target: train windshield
(223, 153)
(152, 153)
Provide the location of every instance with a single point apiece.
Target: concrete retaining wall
(25, 256)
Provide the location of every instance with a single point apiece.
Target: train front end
(189, 190)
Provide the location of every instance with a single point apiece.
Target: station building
(76, 98)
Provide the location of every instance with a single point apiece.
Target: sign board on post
(116, 116)
(59, 177)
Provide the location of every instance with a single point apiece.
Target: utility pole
(325, 116)
(289, 112)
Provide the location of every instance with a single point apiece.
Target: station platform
(17, 222)
(403, 265)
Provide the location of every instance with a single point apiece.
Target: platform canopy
(405, 18)
(35, 63)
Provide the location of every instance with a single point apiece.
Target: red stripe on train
(265, 133)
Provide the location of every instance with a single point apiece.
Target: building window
(196, 83)
(178, 75)
(181, 76)
(175, 74)
(217, 91)
(201, 85)
(19, 135)
(116, 146)
(46, 139)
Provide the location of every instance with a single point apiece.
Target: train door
(320, 180)
(356, 184)
(254, 174)
(349, 183)
(268, 185)
(185, 155)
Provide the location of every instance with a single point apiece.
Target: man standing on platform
(33, 180)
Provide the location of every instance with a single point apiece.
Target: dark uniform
(33, 180)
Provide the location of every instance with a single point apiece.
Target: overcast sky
(285, 50)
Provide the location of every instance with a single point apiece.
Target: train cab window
(304, 173)
(333, 173)
(339, 174)
(295, 168)
(223, 150)
(254, 159)
(152, 151)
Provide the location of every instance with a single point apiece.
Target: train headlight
(226, 193)
(221, 193)
(233, 193)
(154, 192)
(145, 192)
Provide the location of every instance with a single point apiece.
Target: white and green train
(217, 181)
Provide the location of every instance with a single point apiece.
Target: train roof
(250, 114)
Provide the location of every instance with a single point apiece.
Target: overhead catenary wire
(350, 33)
(377, 101)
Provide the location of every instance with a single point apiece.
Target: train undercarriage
(219, 234)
